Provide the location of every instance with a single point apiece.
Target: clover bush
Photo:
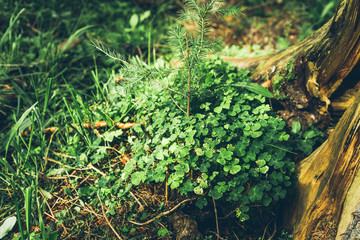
(231, 148)
(208, 130)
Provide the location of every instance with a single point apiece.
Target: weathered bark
(329, 179)
(342, 103)
(321, 63)
(327, 176)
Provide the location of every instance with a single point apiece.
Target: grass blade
(18, 216)
(8, 30)
(16, 127)
(47, 94)
(73, 37)
(28, 198)
(254, 87)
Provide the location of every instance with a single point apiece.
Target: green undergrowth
(52, 39)
(47, 62)
(305, 141)
(232, 149)
(198, 132)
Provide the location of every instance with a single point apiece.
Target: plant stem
(189, 77)
(166, 186)
(177, 104)
(188, 97)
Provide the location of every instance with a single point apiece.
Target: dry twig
(141, 208)
(217, 235)
(107, 220)
(96, 170)
(235, 235)
(267, 225)
(162, 214)
(51, 212)
(216, 218)
(67, 166)
(272, 236)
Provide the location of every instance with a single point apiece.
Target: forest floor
(262, 29)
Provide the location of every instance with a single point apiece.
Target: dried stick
(177, 104)
(107, 220)
(216, 218)
(51, 212)
(141, 208)
(162, 214)
(235, 235)
(166, 186)
(263, 236)
(96, 170)
(91, 210)
(67, 166)
(272, 236)
(64, 155)
(221, 238)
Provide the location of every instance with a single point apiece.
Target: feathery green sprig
(190, 47)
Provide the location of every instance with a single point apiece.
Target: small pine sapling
(190, 47)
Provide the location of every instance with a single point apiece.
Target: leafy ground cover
(87, 156)
(51, 39)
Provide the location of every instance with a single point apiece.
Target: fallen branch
(162, 214)
(96, 125)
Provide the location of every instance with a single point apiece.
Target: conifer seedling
(190, 47)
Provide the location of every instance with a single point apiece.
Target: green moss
(279, 81)
(278, 85)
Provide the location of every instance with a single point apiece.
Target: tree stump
(320, 63)
(329, 179)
